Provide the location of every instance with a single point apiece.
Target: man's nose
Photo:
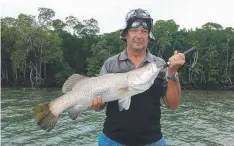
(140, 30)
(139, 35)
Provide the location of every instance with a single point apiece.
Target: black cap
(134, 15)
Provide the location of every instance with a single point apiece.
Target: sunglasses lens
(137, 24)
(144, 25)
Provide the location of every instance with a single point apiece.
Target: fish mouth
(143, 82)
(153, 67)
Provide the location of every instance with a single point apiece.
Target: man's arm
(173, 93)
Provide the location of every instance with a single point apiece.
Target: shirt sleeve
(103, 70)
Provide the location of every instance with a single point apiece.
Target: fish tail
(45, 118)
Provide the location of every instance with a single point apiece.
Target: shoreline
(207, 88)
(183, 87)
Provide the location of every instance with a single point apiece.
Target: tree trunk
(25, 67)
(227, 56)
(40, 61)
(44, 71)
(7, 80)
(36, 74)
(16, 76)
(31, 76)
(3, 74)
(190, 76)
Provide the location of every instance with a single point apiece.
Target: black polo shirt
(140, 125)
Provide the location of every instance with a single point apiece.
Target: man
(140, 125)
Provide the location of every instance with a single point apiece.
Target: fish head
(144, 76)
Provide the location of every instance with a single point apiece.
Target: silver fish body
(80, 91)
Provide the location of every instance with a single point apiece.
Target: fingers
(181, 56)
(97, 102)
(177, 60)
(100, 101)
(177, 54)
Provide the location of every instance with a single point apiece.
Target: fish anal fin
(75, 111)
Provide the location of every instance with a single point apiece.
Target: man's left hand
(176, 61)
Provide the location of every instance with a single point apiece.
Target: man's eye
(133, 29)
(145, 31)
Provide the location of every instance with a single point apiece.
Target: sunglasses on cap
(136, 24)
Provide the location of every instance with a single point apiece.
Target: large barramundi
(79, 92)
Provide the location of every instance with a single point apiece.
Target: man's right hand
(97, 104)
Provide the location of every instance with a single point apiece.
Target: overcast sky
(110, 14)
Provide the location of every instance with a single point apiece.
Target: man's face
(138, 36)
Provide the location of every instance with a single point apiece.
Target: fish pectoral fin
(123, 91)
(124, 103)
(137, 88)
(75, 111)
(71, 81)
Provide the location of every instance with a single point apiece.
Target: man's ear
(126, 35)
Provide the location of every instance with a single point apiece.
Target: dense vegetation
(43, 51)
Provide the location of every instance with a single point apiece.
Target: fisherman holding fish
(140, 124)
(131, 85)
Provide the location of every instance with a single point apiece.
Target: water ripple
(204, 118)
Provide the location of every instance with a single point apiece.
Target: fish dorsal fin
(124, 103)
(71, 81)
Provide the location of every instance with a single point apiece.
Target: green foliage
(63, 74)
(100, 53)
(42, 49)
